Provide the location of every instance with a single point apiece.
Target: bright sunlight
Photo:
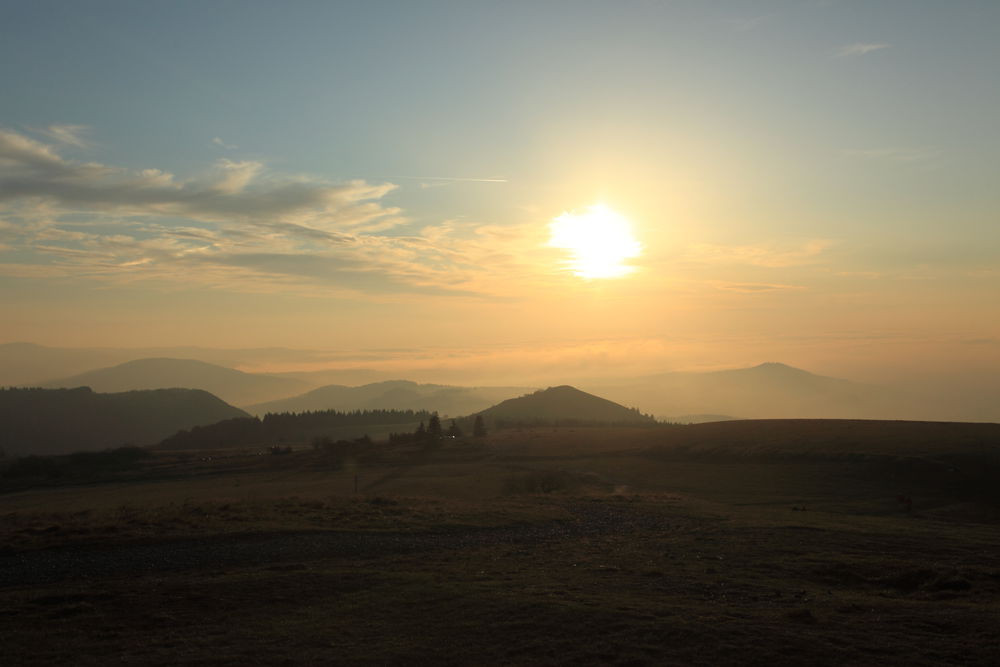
(599, 241)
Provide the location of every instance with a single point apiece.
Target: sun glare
(599, 241)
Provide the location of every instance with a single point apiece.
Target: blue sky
(807, 169)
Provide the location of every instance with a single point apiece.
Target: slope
(56, 421)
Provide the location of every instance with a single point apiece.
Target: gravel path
(96, 561)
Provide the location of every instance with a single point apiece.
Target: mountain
(565, 405)
(28, 364)
(57, 421)
(230, 385)
(769, 390)
(392, 395)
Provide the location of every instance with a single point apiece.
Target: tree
(454, 431)
(434, 426)
(420, 433)
(479, 427)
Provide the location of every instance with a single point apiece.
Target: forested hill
(284, 428)
(57, 421)
(562, 405)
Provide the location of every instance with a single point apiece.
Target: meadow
(747, 543)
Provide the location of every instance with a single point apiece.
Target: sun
(598, 240)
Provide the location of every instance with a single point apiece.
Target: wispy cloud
(31, 169)
(240, 227)
(440, 181)
(752, 288)
(859, 49)
(219, 142)
(73, 135)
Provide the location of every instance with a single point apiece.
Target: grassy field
(539, 546)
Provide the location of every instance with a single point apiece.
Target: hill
(56, 421)
(232, 386)
(562, 405)
(392, 395)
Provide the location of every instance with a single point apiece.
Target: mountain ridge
(231, 385)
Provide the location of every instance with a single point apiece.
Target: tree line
(285, 427)
(435, 431)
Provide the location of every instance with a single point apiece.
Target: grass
(527, 550)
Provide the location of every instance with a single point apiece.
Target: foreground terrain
(543, 546)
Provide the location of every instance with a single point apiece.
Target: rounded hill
(564, 405)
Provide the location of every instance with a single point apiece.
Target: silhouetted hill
(57, 421)
(230, 385)
(392, 395)
(563, 405)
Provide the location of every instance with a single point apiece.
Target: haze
(372, 187)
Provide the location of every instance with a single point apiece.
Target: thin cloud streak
(73, 135)
(219, 142)
(859, 49)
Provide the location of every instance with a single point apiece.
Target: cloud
(240, 227)
(236, 175)
(752, 288)
(441, 181)
(859, 49)
(31, 169)
(219, 142)
(67, 134)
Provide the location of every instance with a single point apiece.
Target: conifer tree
(434, 426)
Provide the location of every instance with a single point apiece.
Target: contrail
(448, 178)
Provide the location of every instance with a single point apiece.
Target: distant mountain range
(28, 364)
(769, 390)
(562, 405)
(232, 386)
(765, 391)
(394, 394)
(58, 421)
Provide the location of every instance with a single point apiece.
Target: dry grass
(628, 559)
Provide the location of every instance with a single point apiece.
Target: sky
(811, 182)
